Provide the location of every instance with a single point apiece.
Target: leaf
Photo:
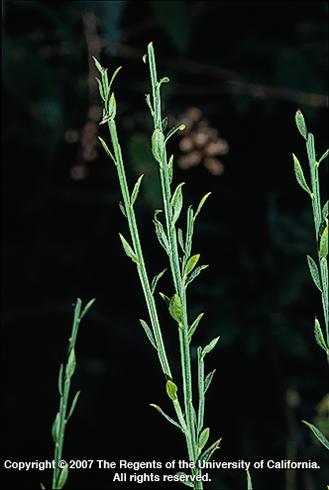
(314, 272)
(160, 233)
(195, 273)
(203, 439)
(177, 203)
(62, 477)
(155, 280)
(101, 89)
(171, 390)
(300, 175)
(148, 332)
(319, 336)
(189, 231)
(203, 200)
(55, 428)
(165, 298)
(194, 326)
(191, 263)
(111, 107)
(176, 308)
(98, 65)
(326, 153)
(60, 380)
(180, 239)
(325, 210)
(71, 364)
(172, 131)
(73, 405)
(300, 123)
(208, 380)
(318, 434)
(87, 308)
(206, 455)
(210, 346)
(129, 251)
(170, 168)
(158, 145)
(163, 80)
(172, 421)
(311, 149)
(104, 145)
(185, 481)
(122, 209)
(323, 249)
(113, 77)
(148, 102)
(42, 486)
(136, 190)
(249, 482)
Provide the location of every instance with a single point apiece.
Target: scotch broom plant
(319, 266)
(60, 470)
(189, 409)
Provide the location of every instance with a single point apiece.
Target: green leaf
(189, 231)
(318, 434)
(71, 364)
(60, 380)
(319, 336)
(177, 203)
(195, 273)
(148, 332)
(149, 104)
(300, 123)
(323, 249)
(55, 428)
(87, 308)
(165, 298)
(98, 65)
(171, 390)
(104, 145)
(249, 482)
(122, 209)
(113, 77)
(206, 455)
(300, 175)
(311, 149)
(62, 477)
(136, 190)
(155, 280)
(210, 346)
(170, 168)
(180, 239)
(185, 481)
(111, 107)
(129, 251)
(203, 200)
(326, 153)
(158, 145)
(176, 308)
(101, 89)
(160, 233)
(325, 210)
(73, 405)
(314, 272)
(203, 439)
(172, 421)
(208, 380)
(194, 326)
(191, 263)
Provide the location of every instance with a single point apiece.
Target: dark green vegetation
(247, 67)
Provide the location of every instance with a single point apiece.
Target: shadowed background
(238, 72)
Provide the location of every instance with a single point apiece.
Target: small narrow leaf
(194, 326)
(203, 439)
(55, 428)
(176, 308)
(300, 123)
(172, 131)
(60, 380)
(158, 145)
(122, 209)
(87, 308)
(249, 482)
(318, 434)
(111, 107)
(144, 58)
(172, 421)
(326, 153)
(136, 190)
(113, 77)
(101, 89)
(62, 477)
(98, 65)
(319, 336)
(148, 102)
(203, 200)
(148, 332)
(180, 239)
(165, 298)
(160, 233)
(42, 486)
(129, 251)
(314, 272)
(300, 175)
(323, 249)
(177, 203)
(195, 273)
(210, 346)
(189, 231)
(171, 390)
(183, 478)
(325, 210)
(191, 263)
(74, 403)
(104, 145)
(208, 380)
(206, 455)
(71, 364)
(170, 168)
(155, 280)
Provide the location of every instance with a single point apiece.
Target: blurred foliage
(246, 66)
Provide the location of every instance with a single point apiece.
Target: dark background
(247, 67)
